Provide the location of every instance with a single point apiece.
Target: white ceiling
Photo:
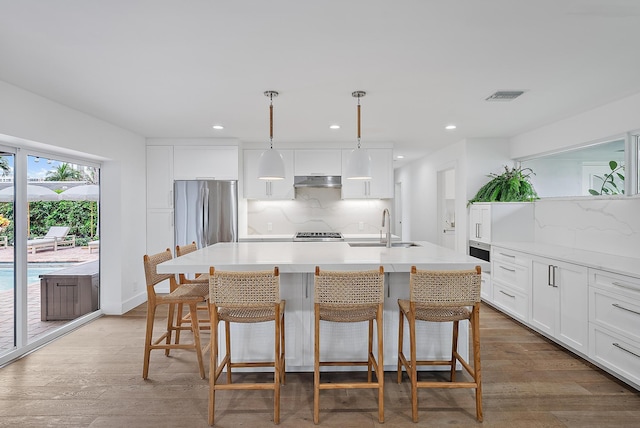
(174, 68)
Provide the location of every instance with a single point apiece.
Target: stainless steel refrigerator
(205, 211)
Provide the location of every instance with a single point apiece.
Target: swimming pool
(34, 270)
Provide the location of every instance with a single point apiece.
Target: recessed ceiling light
(399, 157)
(334, 126)
(218, 127)
(450, 127)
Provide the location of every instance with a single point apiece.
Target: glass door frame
(20, 181)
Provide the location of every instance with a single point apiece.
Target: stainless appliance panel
(480, 250)
(205, 211)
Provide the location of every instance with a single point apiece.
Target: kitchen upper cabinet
(205, 162)
(318, 162)
(159, 177)
(254, 188)
(501, 221)
(559, 301)
(381, 184)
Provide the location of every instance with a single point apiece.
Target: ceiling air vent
(504, 95)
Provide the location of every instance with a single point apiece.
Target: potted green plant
(609, 186)
(513, 185)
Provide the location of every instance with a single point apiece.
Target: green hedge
(44, 214)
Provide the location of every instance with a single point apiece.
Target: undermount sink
(382, 244)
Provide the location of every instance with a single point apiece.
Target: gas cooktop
(318, 236)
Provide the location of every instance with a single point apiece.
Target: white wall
(28, 120)
(600, 123)
(472, 159)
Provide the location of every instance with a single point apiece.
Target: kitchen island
(296, 262)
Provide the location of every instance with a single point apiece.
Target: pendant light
(359, 163)
(271, 163)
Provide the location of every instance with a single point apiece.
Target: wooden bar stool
(245, 297)
(350, 296)
(183, 321)
(442, 296)
(189, 294)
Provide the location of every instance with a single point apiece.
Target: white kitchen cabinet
(255, 341)
(511, 282)
(614, 323)
(318, 162)
(501, 221)
(254, 188)
(559, 302)
(205, 162)
(381, 184)
(486, 287)
(159, 177)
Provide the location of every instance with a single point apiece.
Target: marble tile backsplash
(607, 225)
(315, 210)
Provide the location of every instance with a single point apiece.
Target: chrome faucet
(388, 234)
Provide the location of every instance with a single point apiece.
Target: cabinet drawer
(510, 257)
(622, 284)
(620, 314)
(513, 302)
(486, 291)
(618, 354)
(515, 275)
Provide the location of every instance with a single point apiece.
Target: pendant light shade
(359, 163)
(271, 163)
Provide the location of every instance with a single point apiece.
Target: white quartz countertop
(303, 257)
(593, 259)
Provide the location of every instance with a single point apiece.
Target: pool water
(33, 273)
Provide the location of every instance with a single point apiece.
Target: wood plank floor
(92, 378)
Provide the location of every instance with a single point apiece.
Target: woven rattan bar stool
(442, 296)
(183, 321)
(188, 294)
(245, 297)
(350, 296)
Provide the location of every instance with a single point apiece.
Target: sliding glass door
(49, 248)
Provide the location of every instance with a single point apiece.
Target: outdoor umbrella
(34, 193)
(85, 192)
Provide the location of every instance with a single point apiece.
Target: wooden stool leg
(193, 310)
(413, 368)
(476, 359)
(282, 349)
(380, 365)
(213, 362)
(400, 344)
(316, 367)
(170, 328)
(276, 368)
(454, 350)
(151, 312)
(227, 340)
(178, 321)
(370, 353)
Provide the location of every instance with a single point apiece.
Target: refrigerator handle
(204, 205)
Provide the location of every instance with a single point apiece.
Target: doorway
(447, 208)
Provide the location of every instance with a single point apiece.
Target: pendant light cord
(358, 122)
(271, 120)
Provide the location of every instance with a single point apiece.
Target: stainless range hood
(331, 181)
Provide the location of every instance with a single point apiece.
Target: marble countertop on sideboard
(623, 265)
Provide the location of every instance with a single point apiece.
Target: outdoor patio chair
(56, 236)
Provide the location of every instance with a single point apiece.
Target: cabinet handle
(551, 276)
(508, 255)
(477, 230)
(625, 309)
(620, 284)
(507, 294)
(617, 345)
(507, 269)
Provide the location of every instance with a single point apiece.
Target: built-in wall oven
(480, 250)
